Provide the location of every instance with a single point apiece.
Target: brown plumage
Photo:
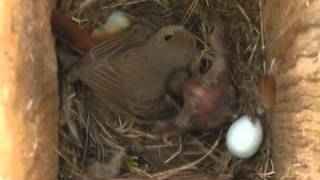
(79, 39)
(130, 72)
(208, 98)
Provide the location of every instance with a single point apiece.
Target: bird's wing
(104, 82)
(99, 69)
(108, 51)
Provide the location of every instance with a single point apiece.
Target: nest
(94, 143)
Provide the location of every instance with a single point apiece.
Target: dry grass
(89, 133)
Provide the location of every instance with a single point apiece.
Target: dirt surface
(293, 33)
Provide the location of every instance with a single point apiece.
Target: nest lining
(94, 138)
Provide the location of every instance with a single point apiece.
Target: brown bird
(131, 71)
(208, 98)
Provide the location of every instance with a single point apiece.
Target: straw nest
(94, 143)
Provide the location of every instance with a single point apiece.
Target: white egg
(117, 21)
(244, 137)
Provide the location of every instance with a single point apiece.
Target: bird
(129, 73)
(209, 97)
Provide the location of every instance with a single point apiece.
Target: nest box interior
(29, 99)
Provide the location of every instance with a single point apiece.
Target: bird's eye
(167, 37)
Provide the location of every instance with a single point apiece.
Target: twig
(253, 52)
(243, 12)
(66, 160)
(192, 6)
(172, 172)
(273, 67)
(84, 5)
(159, 146)
(207, 2)
(261, 27)
(124, 127)
(161, 4)
(204, 148)
(124, 4)
(143, 134)
(86, 141)
(78, 20)
(103, 129)
(142, 172)
(176, 153)
(110, 143)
